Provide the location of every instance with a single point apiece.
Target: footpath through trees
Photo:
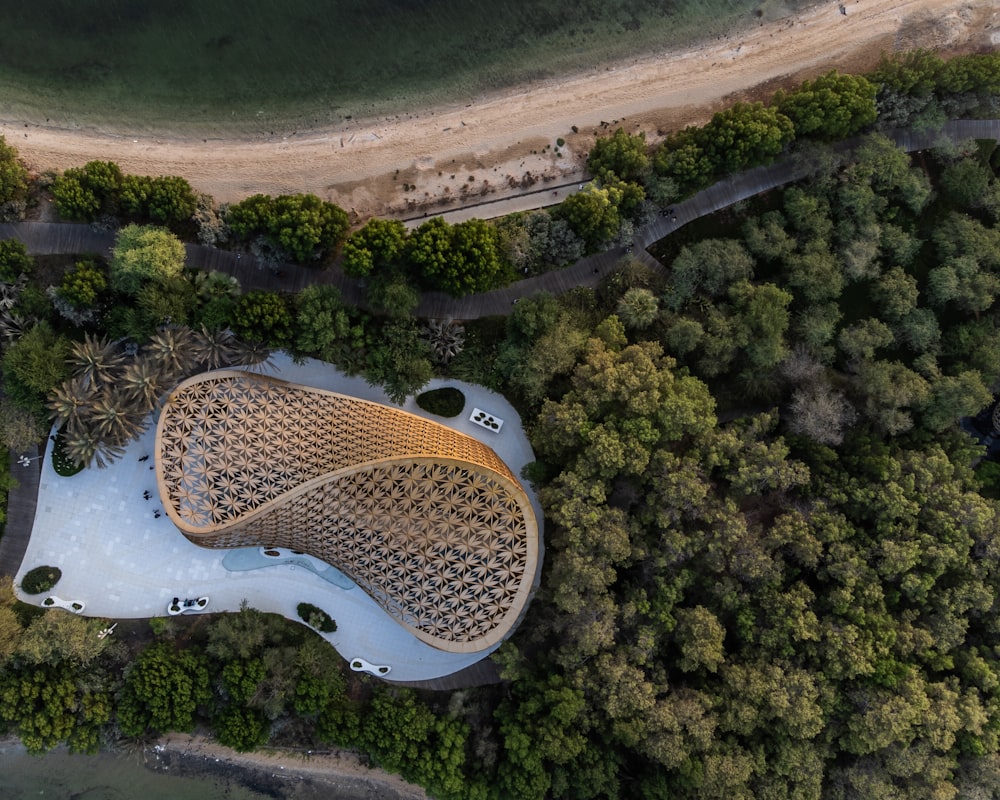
(46, 238)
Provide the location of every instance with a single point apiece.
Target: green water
(106, 777)
(59, 776)
(251, 66)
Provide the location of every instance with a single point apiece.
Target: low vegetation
(316, 617)
(40, 579)
(445, 402)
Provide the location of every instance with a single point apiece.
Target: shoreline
(445, 156)
(277, 772)
(334, 769)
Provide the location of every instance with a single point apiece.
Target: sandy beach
(506, 143)
(335, 771)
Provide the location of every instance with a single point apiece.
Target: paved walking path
(50, 237)
(21, 501)
(529, 200)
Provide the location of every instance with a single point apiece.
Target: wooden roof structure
(430, 522)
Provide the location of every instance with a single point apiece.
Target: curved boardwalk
(49, 237)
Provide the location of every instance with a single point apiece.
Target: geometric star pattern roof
(428, 521)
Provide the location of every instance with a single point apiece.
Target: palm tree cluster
(12, 325)
(113, 388)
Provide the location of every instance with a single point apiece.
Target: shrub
(84, 193)
(13, 175)
(40, 579)
(316, 618)
(145, 254)
(14, 260)
(62, 463)
(159, 625)
(81, 286)
(307, 228)
(445, 402)
(261, 316)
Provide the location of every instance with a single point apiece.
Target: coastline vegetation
(770, 565)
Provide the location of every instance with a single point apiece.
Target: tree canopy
(144, 254)
(458, 259)
(13, 175)
(832, 107)
(305, 227)
(621, 155)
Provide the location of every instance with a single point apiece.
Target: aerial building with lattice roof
(428, 521)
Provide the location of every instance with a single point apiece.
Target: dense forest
(770, 565)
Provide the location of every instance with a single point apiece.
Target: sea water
(252, 66)
(58, 775)
(127, 776)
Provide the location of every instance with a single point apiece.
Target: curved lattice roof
(429, 521)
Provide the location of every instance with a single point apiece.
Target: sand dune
(507, 141)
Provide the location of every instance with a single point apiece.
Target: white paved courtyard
(121, 560)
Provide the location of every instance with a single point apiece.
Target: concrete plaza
(121, 557)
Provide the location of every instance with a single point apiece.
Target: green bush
(14, 260)
(307, 228)
(13, 175)
(61, 462)
(159, 625)
(445, 402)
(316, 618)
(988, 477)
(242, 729)
(81, 285)
(84, 193)
(40, 579)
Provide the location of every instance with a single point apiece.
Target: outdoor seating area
(486, 420)
(187, 606)
(360, 665)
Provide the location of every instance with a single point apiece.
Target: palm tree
(172, 350)
(14, 326)
(112, 419)
(85, 446)
(446, 338)
(216, 284)
(142, 384)
(250, 354)
(70, 401)
(638, 308)
(95, 360)
(213, 349)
